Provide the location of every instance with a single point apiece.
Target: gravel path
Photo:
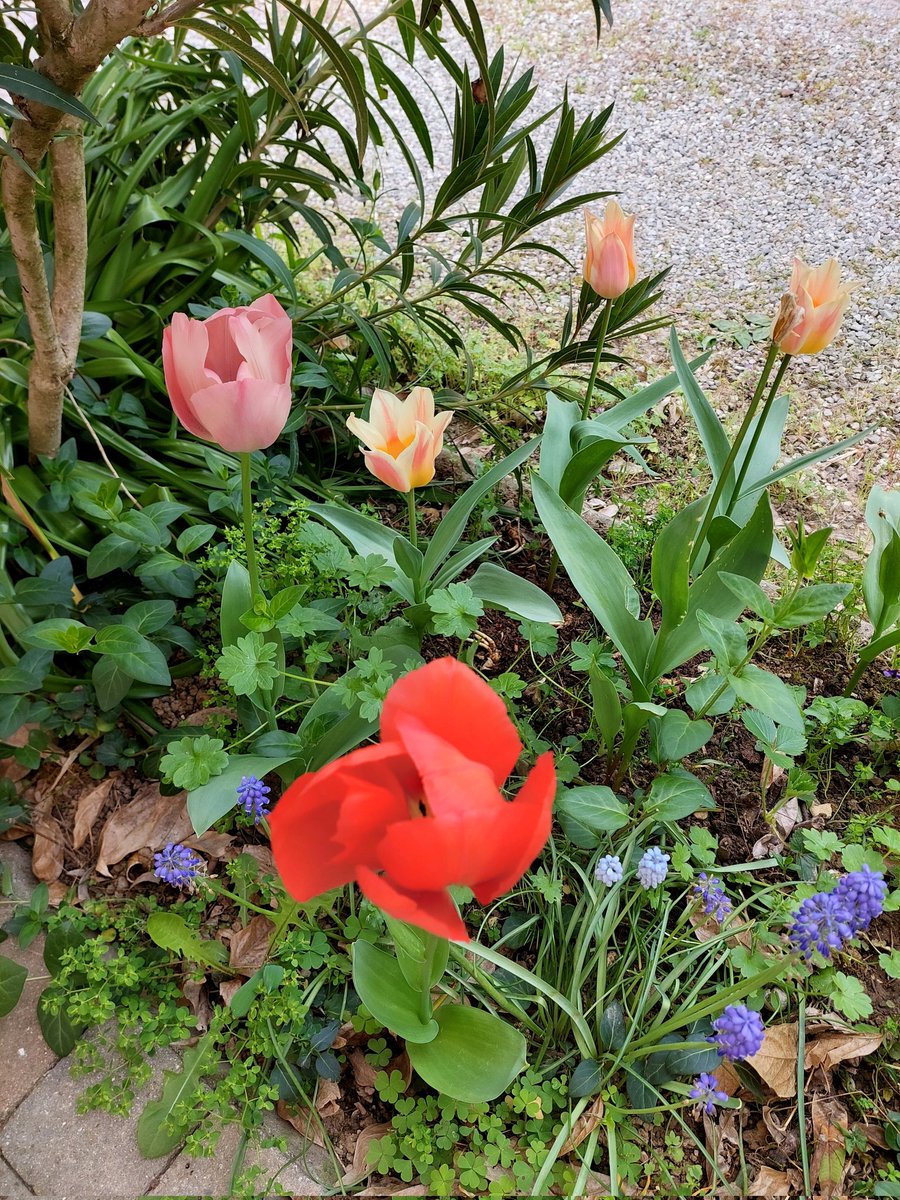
(754, 132)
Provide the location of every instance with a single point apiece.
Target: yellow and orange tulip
(821, 301)
(609, 266)
(402, 438)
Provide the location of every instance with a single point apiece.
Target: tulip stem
(595, 366)
(247, 512)
(760, 424)
(721, 482)
(411, 506)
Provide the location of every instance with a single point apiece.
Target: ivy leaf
(191, 762)
(249, 665)
(455, 610)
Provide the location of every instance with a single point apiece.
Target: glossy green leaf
(607, 707)
(381, 986)
(60, 1034)
(21, 81)
(676, 795)
(12, 981)
(586, 813)
(677, 736)
(771, 695)
(133, 653)
(171, 932)
(474, 1057)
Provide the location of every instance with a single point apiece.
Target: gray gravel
(754, 132)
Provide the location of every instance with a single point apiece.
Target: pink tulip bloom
(821, 302)
(609, 265)
(402, 437)
(229, 377)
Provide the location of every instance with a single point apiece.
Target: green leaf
(670, 565)
(190, 762)
(676, 795)
(59, 633)
(586, 812)
(474, 1057)
(60, 938)
(133, 653)
(455, 610)
(21, 81)
(161, 1126)
(194, 537)
(210, 801)
(12, 981)
(150, 615)
(171, 932)
(613, 1027)
(677, 736)
(452, 526)
(710, 428)
(599, 576)
(502, 589)
(60, 1034)
(810, 604)
(236, 600)
(850, 997)
(111, 553)
(412, 947)
(771, 695)
(111, 682)
(381, 986)
(607, 707)
(250, 665)
(750, 594)
(585, 1078)
(725, 638)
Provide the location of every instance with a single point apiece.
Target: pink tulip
(821, 301)
(609, 265)
(402, 437)
(229, 377)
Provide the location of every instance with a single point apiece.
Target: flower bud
(609, 266)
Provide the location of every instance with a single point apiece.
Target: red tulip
(421, 811)
(229, 377)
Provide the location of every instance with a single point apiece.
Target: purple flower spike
(891, 673)
(653, 868)
(739, 1032)
(827, 920)
(706, 1089)
(177, 865)
(253, 796)
(711, 894)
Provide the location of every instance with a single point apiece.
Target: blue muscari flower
(827, 920)
(891, 673)
(711, 894)
(739, 1032)
(706, 1089)
(177, 865)
(609, 870)
(253, 796)
(653, 867)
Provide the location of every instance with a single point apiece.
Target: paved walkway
(49, 1149)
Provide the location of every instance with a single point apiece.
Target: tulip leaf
(422, 956)
(501, 589)
(381, 986)
(474, 1057)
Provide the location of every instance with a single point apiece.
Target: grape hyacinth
(653, 867)
(891, 673)
(253, 796)
(177, 865)
(711, 894)
(706, 1089)
(739, 1032)
(609, 870)
(827, 920)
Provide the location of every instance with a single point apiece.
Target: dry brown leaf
(250, 945)
(787, 816)
(88, 809)
(211, 843)
(263, 856)
(149, 821)
(360, 1167)
(774, 1183)
(229, 987)
(197, 996)
(69, 759)
(782, 1131)
(394, 1187)
(768, 844)
(722, 1141)
(829, 1122)
(874, 1134)
(304, 1120)
(363, 1071)
(728, 1078)
(49, 845)
(829, 1049)
(776, 1062)
(586, 1123)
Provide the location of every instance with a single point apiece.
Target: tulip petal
(365, 431)
(610, 273)
(438, 427)
(266, 347)
(433, 911)
(184, 351)
(245, 415)
(422, 401)
(457, 706)
(417, 460)
(268, 306)
(223, 354)
(521, 830)
(388, 415)
(385, 468)
(316, 840)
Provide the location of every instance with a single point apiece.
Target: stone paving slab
(11, 1186)
(301, 1172)
(60, 1152)
(24, 1055)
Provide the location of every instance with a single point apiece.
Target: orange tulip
(821, 301)
(402, 437)
(609, 265)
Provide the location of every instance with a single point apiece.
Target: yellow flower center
(395, 446)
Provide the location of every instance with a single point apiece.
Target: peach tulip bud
(609, 255)
(821, 301)
(402, 437)
(229, 377)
